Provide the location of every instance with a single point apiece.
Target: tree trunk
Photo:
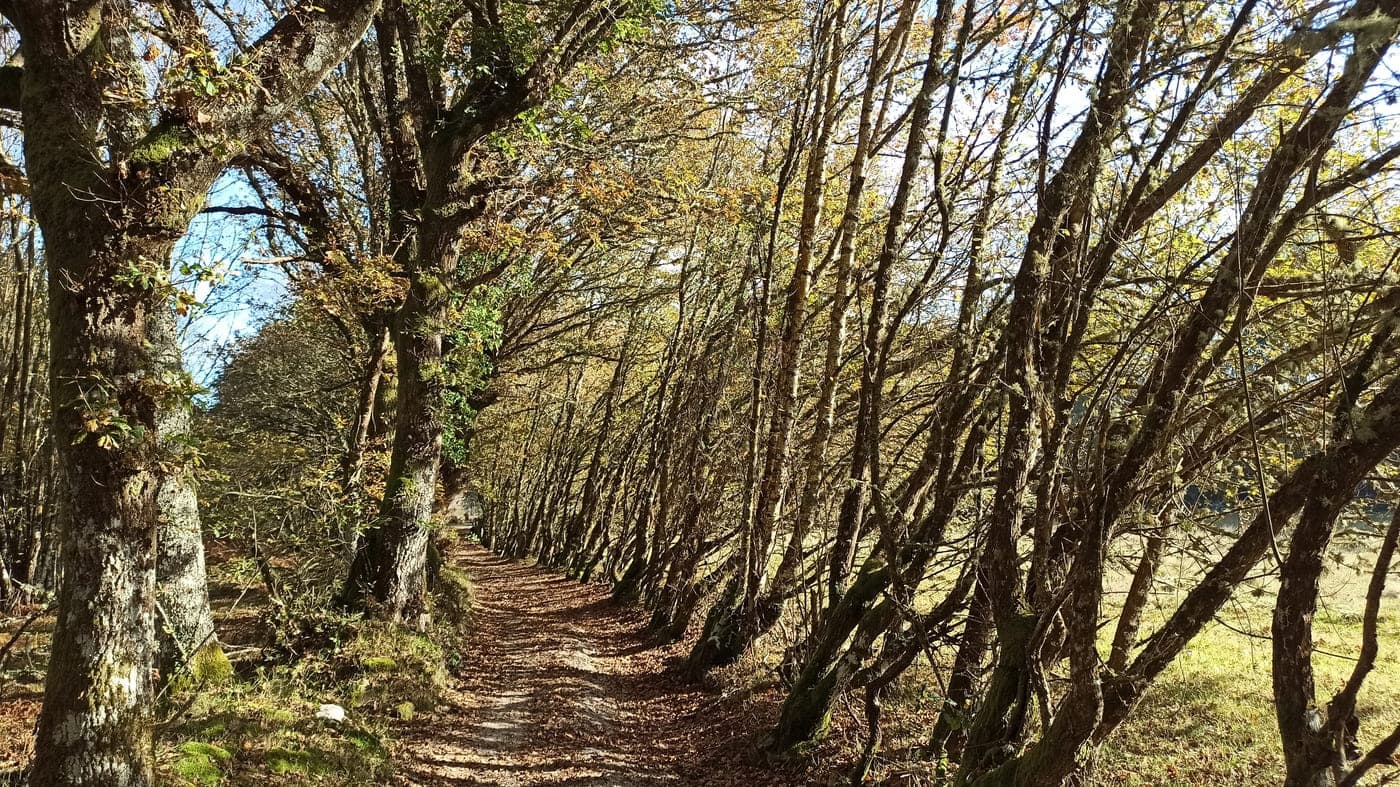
(95, 726)
(456, 489)
(1125, 636)
(112, 194)
(806, 713)
(380, 344)
(391, 563)
(185, 623)
(366, 404)
(950, 731)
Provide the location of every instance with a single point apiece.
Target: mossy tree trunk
(436, 124)
(392, 563)
(112, 194)
(184, 621)
(806, 713)
(95, 725)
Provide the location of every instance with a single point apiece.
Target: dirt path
(563, 687)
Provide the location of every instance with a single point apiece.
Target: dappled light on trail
(560, 685)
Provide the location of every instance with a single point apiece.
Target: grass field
(1208, 719)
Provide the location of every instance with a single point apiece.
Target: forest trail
(563, 687)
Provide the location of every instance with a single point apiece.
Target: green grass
(1208, 719)
(200, 763)
(264, 731)
(261, 728)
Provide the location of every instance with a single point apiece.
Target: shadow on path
(560, 686)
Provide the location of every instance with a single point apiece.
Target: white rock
(331, 712)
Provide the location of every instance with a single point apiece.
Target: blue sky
(247, 290)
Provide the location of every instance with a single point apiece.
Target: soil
(562, 686)
(559, 686)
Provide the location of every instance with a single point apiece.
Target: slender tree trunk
(1030, 379)
(380, 344)
(580, 528)
(949, 731)
(371, 384)
(16, 350)
(851, 517)
(1125, 636)
(773, 480)
(185, 623)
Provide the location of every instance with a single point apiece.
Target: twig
(5, 651)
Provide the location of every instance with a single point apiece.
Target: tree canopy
(1009, 350)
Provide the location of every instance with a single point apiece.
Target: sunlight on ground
(1209, 718)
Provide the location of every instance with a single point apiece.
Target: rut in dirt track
(562, 686)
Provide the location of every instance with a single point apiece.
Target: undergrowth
(262, 727)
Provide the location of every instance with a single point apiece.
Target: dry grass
(1209, 718)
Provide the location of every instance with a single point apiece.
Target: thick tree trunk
(112, 194)
(106, 386)
(95, 727)
(1313, 738)
(392, 560)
